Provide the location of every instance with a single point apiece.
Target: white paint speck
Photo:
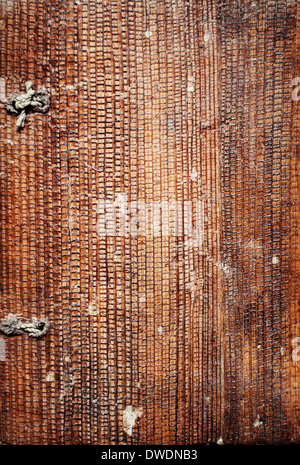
(275, 260)
(160, 330)
(130, 415)
(194, 175)
(206, 37)
(2, 350)
(148, 34)
(220, 442)
(93, 308)
(258, 422)
(50, 377)
(281, 350)
(190, 87)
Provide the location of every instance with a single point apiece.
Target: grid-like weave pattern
(160, 102)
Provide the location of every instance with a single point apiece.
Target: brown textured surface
(210, 91)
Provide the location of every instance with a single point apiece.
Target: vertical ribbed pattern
(294, 412)
(153, 103)
(257, 67)
(151, 292)
(135, 319)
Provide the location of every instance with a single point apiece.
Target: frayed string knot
(14, 325)
(20, 104)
